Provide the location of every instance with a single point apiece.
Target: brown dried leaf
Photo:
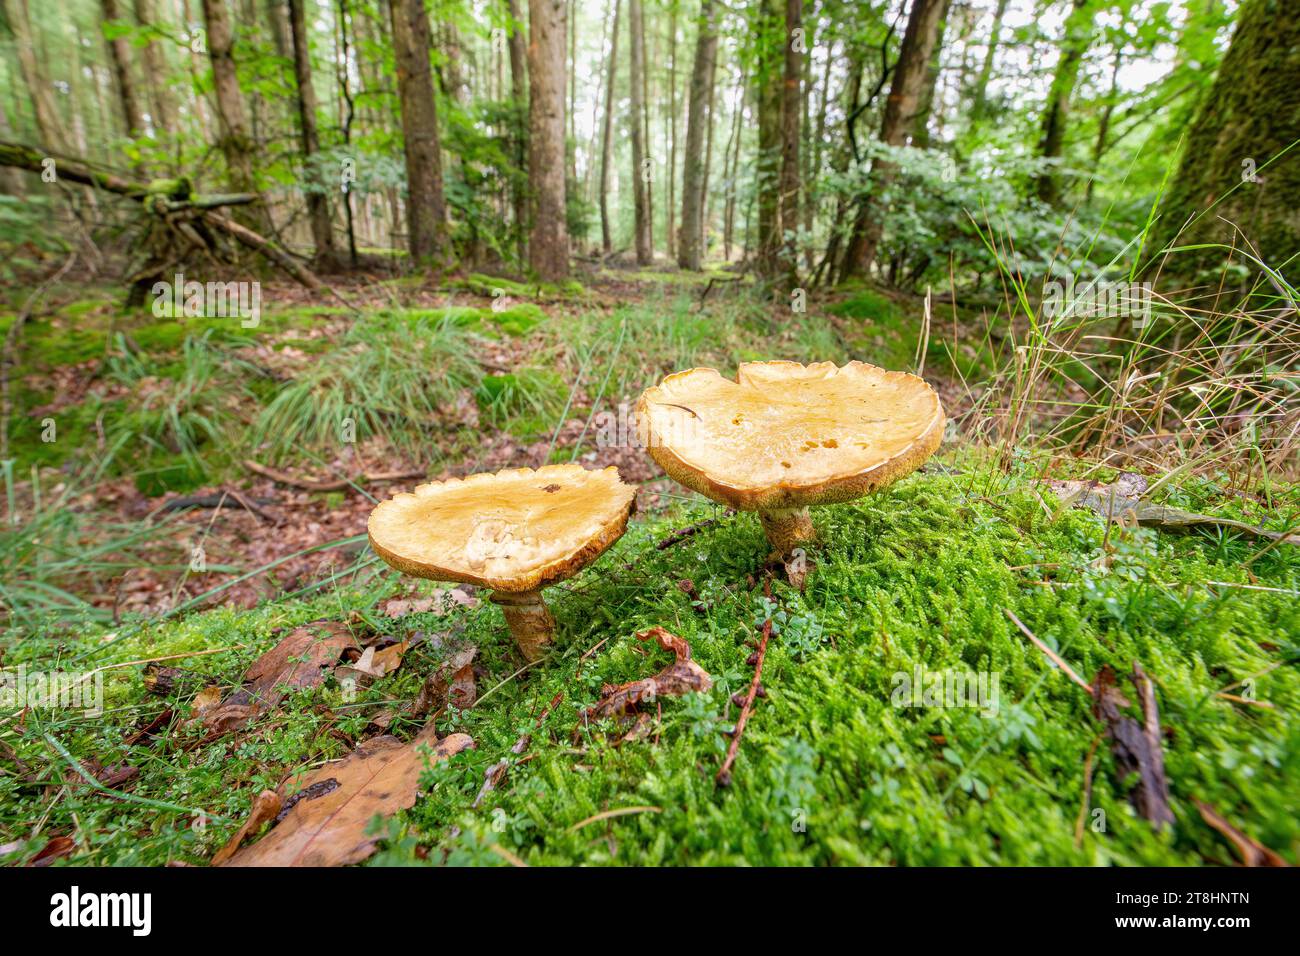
(265, 806)
(57, 848)
(299, 662)
(683, 676)
(380, 777)
(452, 682)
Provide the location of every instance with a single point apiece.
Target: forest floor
(973, 566)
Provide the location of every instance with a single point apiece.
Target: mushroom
(513, 532)
(784, 436)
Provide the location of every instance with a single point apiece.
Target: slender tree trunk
(119, 58)
(900, 113)
(1240, 126)
(980, 96)
(48, 126)
(690, 246)
(791, 100)
(606, 144)
(921, 124)
(234, 140)
(548, 244)
(1102, 143)
(519, 96)
(1074, 45)
(733, 147)
(640, 167)
(425, 205)
(318, 208)
(155, 65)
(768, 161)
(670, 231)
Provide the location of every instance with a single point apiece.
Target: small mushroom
(784, 436)
(513, 532)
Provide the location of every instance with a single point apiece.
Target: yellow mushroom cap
(785, 435)
(515, 530)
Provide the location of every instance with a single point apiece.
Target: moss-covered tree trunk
(1231, 159)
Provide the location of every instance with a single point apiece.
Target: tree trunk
(640, 167)
(791, 106)
(318, 207)
(900, 114)
(425, 204)
(548, 243)
(48, 126)
(234, 141)
(1248, 118)
(690, 246)
(155, 65)
(1074, 44)
(606, 144)
(921, 123)
(768, 161)
(119, 58)
(670, 207)
(519, 96)
(980, 97)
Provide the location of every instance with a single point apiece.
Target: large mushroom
(513, 532)
(785, 436)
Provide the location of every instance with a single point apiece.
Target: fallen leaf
(380, 777)
(57, 848)
(376, 663)
(683, 676)
(1252, 852)
(299, 662)
(451, 682)
(1136, 747)
(1120, 502)
(265, 806)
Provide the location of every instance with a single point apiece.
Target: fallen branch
(724, 772)
(681, 534)
(328, 484)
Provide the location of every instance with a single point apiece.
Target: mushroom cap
(785, 435)
(515, 530)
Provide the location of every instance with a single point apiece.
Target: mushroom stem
(529, 620)
(787, 528)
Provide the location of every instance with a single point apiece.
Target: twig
(610, 814)
(323, 484)
(724, 772)
(1051, 654)
(681, 534)
(1087, 792)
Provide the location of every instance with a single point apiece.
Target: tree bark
(548, 244)
(791, 108)
(1074, 45)
(670, 207)
(690, 246)
(318, 207)
(640, 169)
(519, 96)
(38, 85)
(1252, 114)
(234, 141)
(606, 144)
(768, 161)
(921, 122)
(119, 58)
(900, 113)
(155, 65)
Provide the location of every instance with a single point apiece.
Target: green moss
(831, 769)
